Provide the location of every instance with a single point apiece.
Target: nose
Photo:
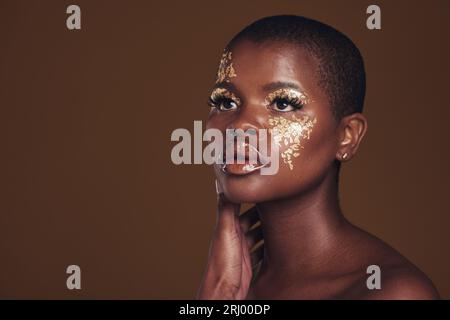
(249, 118)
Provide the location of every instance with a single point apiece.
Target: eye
(286, 100)
(223, 100)
(224, 104)
(285, 104)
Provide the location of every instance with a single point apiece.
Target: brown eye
(224, 100)
(286, 105)
(227, 104)
(286, 100)
(223, 104)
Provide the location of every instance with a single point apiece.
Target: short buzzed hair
(340, 64)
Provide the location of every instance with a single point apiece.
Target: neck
(300, 232)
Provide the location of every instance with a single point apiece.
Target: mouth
(243, 161)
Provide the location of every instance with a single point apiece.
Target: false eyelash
(210, 102)
(217, 100)
(297, 103)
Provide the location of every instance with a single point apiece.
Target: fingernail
(218, 189)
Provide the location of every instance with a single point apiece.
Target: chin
(240, 196)
(252, 188)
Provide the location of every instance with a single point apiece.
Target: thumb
(227, 212)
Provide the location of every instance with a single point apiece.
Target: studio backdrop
(87, 112)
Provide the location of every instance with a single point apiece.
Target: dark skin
(310, 250)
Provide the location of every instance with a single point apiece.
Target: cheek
(291, 134)
(218, 120)
(211, 122)
(317, 156)
(307, 149)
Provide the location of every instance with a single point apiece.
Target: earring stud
(344, 156)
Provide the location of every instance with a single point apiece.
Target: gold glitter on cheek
(226, 70)
(290, 133)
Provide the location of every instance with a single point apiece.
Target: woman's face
(274, 86)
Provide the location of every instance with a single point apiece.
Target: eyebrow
(272, 86)
(280, 85)
(225, 85)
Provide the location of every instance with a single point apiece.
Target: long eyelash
(221, 95)
(211, 102)
(216, 100)
(296, 98)
(295, 102)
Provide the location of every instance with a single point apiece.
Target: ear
(352, 129)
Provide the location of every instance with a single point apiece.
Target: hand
(229, 270)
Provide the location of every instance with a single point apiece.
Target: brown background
(86, 117)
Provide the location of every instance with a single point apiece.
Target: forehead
(258, 64)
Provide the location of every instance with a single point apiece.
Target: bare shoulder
(403, 283)
(399, 278)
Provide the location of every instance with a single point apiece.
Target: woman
(307, 81)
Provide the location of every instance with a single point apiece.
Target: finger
(226, 212)
(257, 254)
(256, 240)
(256, 270)
(247, 269)
(249, 218)
(253, 236)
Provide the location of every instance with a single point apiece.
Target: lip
(246, 166)
(241, 169)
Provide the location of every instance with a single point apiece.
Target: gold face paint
(290, 133)
(226, 70)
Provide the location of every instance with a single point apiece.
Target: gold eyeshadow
(221, 93)
(226, 70)
(290, 134)
(288, 94)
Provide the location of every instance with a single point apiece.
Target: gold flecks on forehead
(226, 70)
(287, 93)
(290, 133)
